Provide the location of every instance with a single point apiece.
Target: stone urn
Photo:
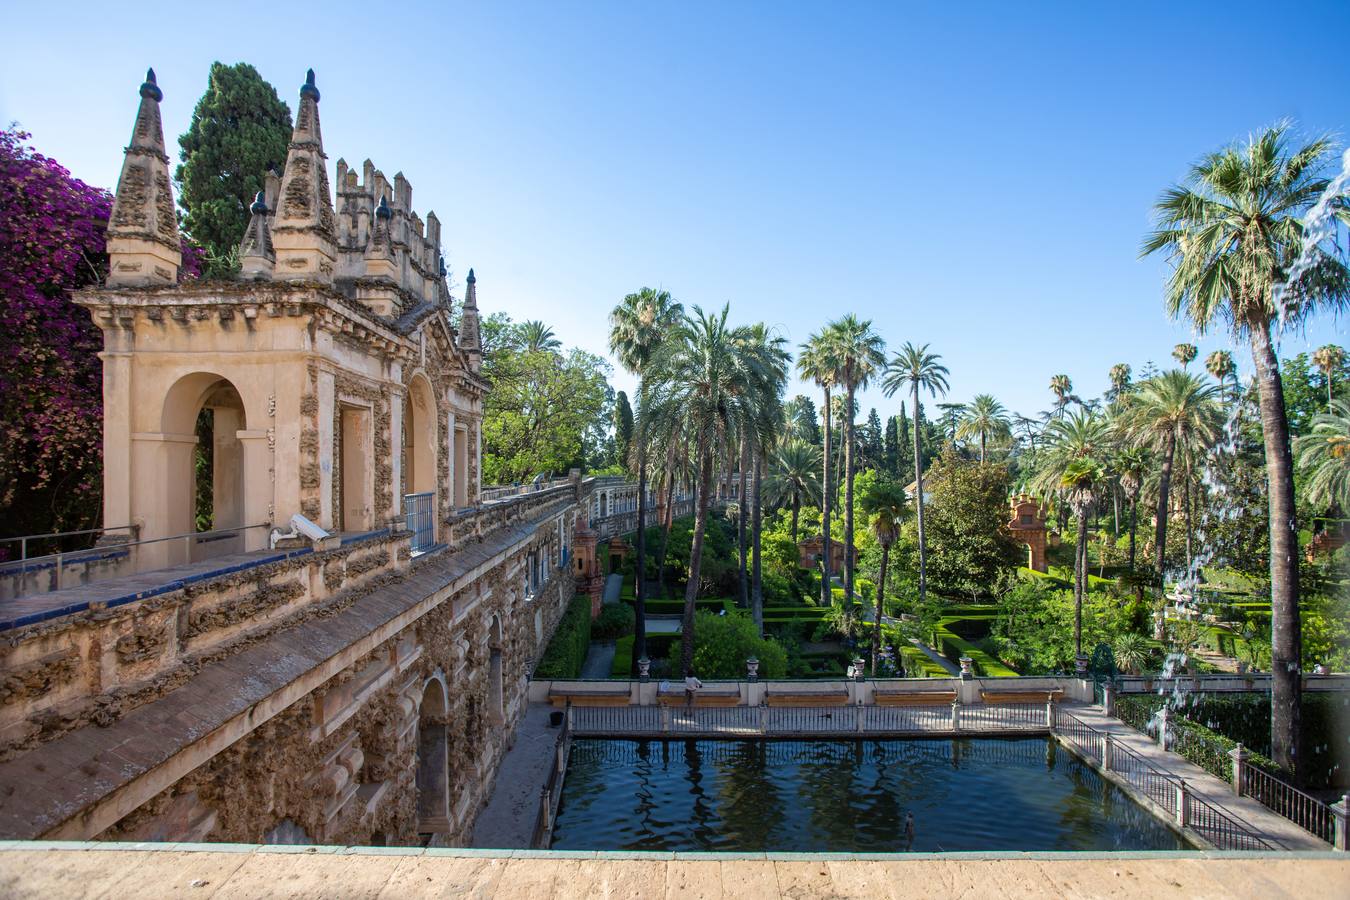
(752, 668)
(644, 669)
(967, 668)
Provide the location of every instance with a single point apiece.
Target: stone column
(1340, 812)
(1109, 698)
(1108, 745)
(956, 715)
(1239, 756)
(1183, 804)
(258, 496)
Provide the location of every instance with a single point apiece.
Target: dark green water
(844, 796)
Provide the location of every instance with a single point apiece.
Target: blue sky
(974, 176)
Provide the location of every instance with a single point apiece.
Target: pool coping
(658, 855)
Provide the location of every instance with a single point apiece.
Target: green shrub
(918, 665)
(722, 644)
(623, 658)
(615, 621)
(566, 653)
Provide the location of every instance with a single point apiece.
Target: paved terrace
(223, 870)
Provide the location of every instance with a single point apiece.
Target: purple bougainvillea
(51, 396)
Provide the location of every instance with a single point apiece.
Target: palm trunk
(1160, 536)
(756, 532)
(640, 552)
(879, 606)
(796, 511)
(826, 597)
(1286, 639)
(848, 500)
(1186, 502)
(742, 512)
(918, 505)
(981, 446)
(665, 534)
(695, 555)
(1134, 527)
(1080, 581)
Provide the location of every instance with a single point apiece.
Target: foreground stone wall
(393, 738)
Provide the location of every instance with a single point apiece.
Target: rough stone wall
(297, 778)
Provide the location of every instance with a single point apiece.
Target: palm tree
(1080, 481)
(983, 418)
(1241, 254)
(794, 477)
(917, 369)
(1170, 413)
(1184, 353)
(770, 360)
(538, 337)
(1131, 464)
(1324, 457)
(1083, 434)
(861, 354)
(818, 363)
(1328, 359)
(704, 375)
(1062, 388)
(637, 326)
(1220, 365)
(885, 507)
(1120, 379)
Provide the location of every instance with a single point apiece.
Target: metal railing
(819, 721)
(419, 512)
(552, 790)
(1305, 811)
(8, 562)
(502, 492)
(61, 561)
(1248, 778)
(1165, 790)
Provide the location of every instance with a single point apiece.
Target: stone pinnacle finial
(440, 265)
(304, 228)
(257, 257)
(309, 89)
(143, 240)
(471, 279)
(150, 87)
(383, 211)
(469, 339)
(259, 207)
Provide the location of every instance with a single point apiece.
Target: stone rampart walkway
(508, 819)
(200, 871)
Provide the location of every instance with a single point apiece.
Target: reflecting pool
(845, 796)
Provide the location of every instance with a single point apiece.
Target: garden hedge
(622, 666)
(566, 653)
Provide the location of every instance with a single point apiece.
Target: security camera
(307, 528)
(299, 525)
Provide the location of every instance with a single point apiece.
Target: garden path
(599, 659)
(951, 667)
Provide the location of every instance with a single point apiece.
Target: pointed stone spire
(468, 323)
(143, 243)
(257, 259)
(379, 255)
(304, 225)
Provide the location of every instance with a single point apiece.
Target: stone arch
(496, 710)
(433, 758)
(419, 451)
(203, 428)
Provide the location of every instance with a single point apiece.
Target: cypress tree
(240, 129)
(623, 426)
(891, 452)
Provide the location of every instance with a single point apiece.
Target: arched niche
(433, 758)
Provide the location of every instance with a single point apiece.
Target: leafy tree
(792, 477)
(892, 448)
(1240, 254)
(1034, 632)
(623, 427)
(723, 643)
(540, 410)
(240, 129)
(917, 369)
(870, 442)
(51, 388)
(802, 420)
(968, 507)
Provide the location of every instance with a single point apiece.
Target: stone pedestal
(1239, 756)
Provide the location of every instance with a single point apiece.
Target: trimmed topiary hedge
(615, 620)
(566, 653)
(623, 658)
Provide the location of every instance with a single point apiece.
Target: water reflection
(844, 796)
